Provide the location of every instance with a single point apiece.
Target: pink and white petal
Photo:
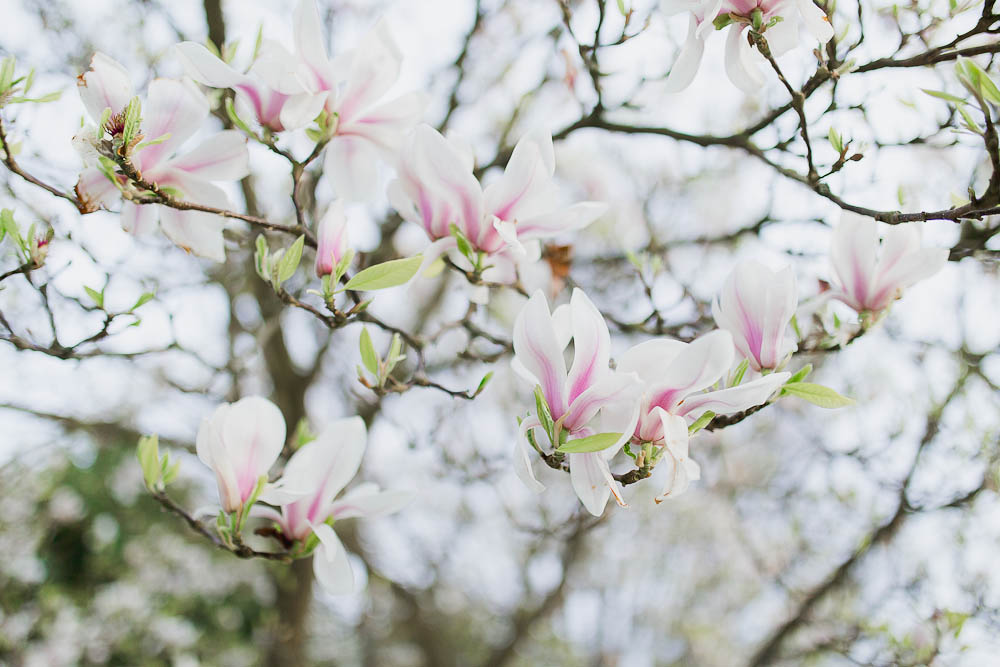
(526, 184)
(816, 20)
(592, 481)
(740, 69)
(254, 432)
(733, 399)
(562, 320)
(196, 232)
(780, 305)
(327, 464)
(205, 67)
(853, 254)
(568, 219)
(537, 349)
(374, 68)
(282, 71)
(330, 563)
(508, 232)
(688, 60)
(703, 362)
(387, 124)
(612, 387)
(911, 269)
(300, 110)
(351, 163)
(309, 42)
(675, 474)
(106, 85)
(173, 108)
(221, 157)
(651, 360)
(368, 501)
(268, 513)
(591, 345)
(95, 189)
(139, 219)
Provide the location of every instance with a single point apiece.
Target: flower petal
(524, 456)
(368, 501)
(733, 399)
(330, 563)
(323, 467)
(106, 85)
(701, 364)
(537, 350)
(173, 108)
(351, 163)
(593, 482)
(816, 20)
(739, 68)
(688, 60)
(221, 157)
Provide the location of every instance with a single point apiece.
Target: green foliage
(817, 394)
(388, 274)
(593, 443)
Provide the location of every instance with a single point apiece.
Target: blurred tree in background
(865, 535)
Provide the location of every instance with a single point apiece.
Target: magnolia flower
(736, 15)
(674, 376)
(574, 398)
(240, 442)
(436, 188)
(315, 474)
(354, 87)
(172, 113)
(331, 239)
(756, 306)
(274, 110)
(868, 279)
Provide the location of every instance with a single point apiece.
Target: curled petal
(524, 457)
(688, 60)
(368, 501)
(741, 70)
(593, 482)
(700, 365)
(733, 399)
(678, 469)
(330, 563)
(816, 20)
(537, 350)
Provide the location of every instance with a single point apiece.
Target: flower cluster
(242, 441)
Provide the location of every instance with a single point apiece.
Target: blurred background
(867, 535)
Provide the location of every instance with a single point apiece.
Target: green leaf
(143, 300)
(593, 443)
(464, 245)
(701, 422)
(483, 383)
(836, 141)
(95, 296)
(387, 274)
(261, 258)
(368, 356)
(621, 7)
(170, 473)
(290, 260)
(235, 118)
(817, 394)
(800, 374)
(133, 116)
(740, 372)
(944, 96)
(303, 434)
(148, 451)
(543, 414)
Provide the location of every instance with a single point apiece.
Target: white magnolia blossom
(314, 476)
(240, 442)
(368, 125)
(331, 238)
(436, 188)
(171, 114)
(782, 35)
(755, 306)
(674, 377)
(869, 277)
(574, 397)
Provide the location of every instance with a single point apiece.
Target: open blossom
(331, 239)
(781, 36)
(353, 86)
(436, 188)
(574, 398)
(272, 109)
(172, 113)
(674, 376)
(755, 306)
(869, 279)
(316, 474)
(240, 442)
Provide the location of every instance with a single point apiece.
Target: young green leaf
(543, 414)
(388, 274)
(701, 422)
(95, 296)
(740, 372)
(464, 246)
(944, 96)
(143, 300)
(148, 451)
(368, 356)
(593, 443)
(817, 394)
(800, 374)
(483, 383)
(290, 260)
